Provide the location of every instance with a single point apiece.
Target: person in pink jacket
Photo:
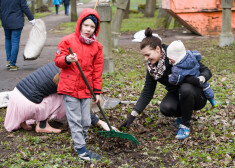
(88, 52)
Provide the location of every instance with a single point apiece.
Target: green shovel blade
(122, 135)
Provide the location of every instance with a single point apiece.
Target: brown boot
(47, 129)
(25, 126)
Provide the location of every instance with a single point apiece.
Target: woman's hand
(128, 122)
(72, 58)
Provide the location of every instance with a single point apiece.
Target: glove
(32, 22)
(128, 122)
(192, 80)
(202, 79)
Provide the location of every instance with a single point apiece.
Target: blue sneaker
(94, 155)
(183, 132)
(213, 103)
(87, 155)
(177, 122)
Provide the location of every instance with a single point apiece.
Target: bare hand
(97, 99)
(72, 58)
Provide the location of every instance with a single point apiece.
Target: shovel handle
(89, 87)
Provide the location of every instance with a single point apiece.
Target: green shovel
(112, 132)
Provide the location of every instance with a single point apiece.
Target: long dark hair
(150, 40)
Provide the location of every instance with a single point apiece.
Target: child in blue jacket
(186, 63)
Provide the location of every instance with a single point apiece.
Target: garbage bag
(4, 98)
(140, 35)
(36, 41)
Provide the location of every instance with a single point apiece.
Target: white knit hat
(176, 51)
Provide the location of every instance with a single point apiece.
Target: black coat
(39, 84)
(66, 2)
(12, 13)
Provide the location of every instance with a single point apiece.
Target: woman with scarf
(180, 100)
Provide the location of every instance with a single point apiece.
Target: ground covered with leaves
(211, 140)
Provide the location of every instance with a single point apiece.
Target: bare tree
(32, 8)
(150, 8)
(126, 14)
(49, 3)
(39, 3)
(74, 15)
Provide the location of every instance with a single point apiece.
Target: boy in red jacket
(88, 52)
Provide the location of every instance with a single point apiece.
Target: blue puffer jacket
(39, 84)
(12, 13)
(189, 65)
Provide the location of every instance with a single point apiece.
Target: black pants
(191, 98)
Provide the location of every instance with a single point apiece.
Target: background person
(57, 5)
(12, 17)
(172, 105)
(66, 7)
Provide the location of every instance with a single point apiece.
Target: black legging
(192, 98)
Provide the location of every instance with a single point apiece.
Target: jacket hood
(189, 61)
(85, 13)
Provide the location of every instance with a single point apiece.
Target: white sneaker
(84, 156)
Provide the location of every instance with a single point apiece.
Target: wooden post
(104, 36)
(117, 21)
(226, 36)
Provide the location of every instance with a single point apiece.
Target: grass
(136, 21)
(210, 144)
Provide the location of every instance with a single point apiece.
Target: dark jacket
(66, 2)
(189, 65)
(12, 13)
(39, 84)
(150, 83)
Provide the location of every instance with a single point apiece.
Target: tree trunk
(126, 14)
(37, 3)
(74, 15)
(32, 8)
(163, 19)
(150, 7)
(49, 2)
(40, 3)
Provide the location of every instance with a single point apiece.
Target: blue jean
(207, 91)
(66, 9)
(12, 42)
(57, 8)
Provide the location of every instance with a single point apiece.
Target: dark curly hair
(150, 40)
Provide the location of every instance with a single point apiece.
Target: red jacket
(90, 58)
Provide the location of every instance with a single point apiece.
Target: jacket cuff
(97, 91)
(66, 60)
